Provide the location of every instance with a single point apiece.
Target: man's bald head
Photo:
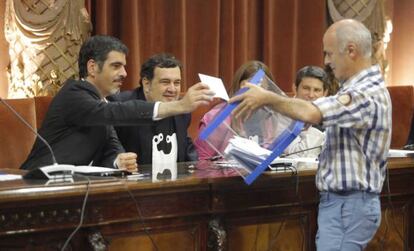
(347, 48)
(352, 31)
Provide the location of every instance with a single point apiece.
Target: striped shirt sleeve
(357, 114)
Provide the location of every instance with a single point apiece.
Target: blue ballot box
(251, 144)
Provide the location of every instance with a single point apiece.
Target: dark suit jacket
(79, 127)
(138, 139)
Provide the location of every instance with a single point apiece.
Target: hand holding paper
(216, 85)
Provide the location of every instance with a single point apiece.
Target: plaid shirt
(358, 135)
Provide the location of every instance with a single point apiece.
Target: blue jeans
(347, 221)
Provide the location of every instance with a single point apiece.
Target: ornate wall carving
(371, 13)
(45, 37)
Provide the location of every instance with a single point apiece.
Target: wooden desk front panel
(201, 210)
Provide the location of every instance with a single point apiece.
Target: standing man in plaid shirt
(358, 122)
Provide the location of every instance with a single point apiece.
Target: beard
(114, 91)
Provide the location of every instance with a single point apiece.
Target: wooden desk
(205, 208)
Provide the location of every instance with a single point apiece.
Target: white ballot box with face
(251, 143)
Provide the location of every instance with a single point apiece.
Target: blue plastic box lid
(255, 142)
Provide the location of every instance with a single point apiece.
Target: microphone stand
(42, 172)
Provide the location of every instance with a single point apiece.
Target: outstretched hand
(250, 101)
(198, 94)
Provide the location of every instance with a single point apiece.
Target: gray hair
(355, 32)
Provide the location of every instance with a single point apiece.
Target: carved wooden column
(217, 236)
(97, 241)
(371, 13)
(44, 41)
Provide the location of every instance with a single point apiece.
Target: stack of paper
(246, 151)
(395, 153)
(6, 177)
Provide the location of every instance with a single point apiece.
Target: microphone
(42, 172)
(301, 151)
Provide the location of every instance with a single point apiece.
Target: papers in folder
(246, 151)
(96, 170)
(250, 154)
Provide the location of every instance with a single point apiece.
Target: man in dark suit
(79, 122)
(160, 81)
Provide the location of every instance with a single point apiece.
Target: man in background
(311, 83)
(79, 122)
(161, 81)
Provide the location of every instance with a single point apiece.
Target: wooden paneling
(275, 235)
(204, 209)
(172, 240)
(402, 43)
(390, 235)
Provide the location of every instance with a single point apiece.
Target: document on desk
(97, 171)
(280, 160)
(396, 153)
(216, 85)
(7, 177)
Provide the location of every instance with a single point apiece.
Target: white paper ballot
(247, 146)
(396, 153)
(216, 85)
(6, 177)
(294, 161)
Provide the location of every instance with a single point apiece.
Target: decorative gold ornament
(371, 13)
(44, 41)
